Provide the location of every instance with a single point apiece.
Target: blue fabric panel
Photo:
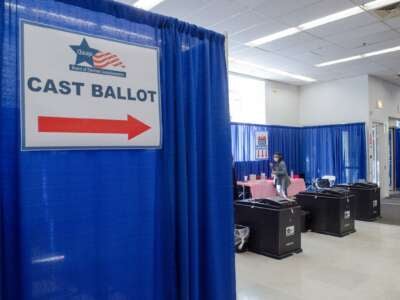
(95, 225)
(397, 158)
(338, 150)
(281, 139)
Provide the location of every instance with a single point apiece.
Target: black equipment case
(367, 200)
(274, 225)
(332, 210)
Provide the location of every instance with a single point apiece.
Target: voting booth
(112, 122)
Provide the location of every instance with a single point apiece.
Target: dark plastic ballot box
(367, 200)
(332, 210)
(275, 228)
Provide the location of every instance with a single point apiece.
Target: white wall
(389, 94)
(282, 104)
(334, 102)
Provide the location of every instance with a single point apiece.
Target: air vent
(388, 12)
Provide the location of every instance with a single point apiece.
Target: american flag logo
(105, 59)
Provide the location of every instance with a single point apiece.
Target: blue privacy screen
(121, 224)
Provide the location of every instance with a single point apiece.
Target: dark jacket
(281, 174)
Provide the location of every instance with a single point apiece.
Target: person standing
(280, 174)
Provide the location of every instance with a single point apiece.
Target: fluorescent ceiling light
(147, 4)
(321, 21)
(273, 37)
(378, 4)
(339, 61)
(384, 51)
(273, 70)
(332, 18)
(365, 55)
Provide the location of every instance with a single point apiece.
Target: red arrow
(131, 126)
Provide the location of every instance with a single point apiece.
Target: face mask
(276, 159)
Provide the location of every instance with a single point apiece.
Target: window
(247, 99)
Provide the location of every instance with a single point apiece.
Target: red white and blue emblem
(97, 60)
(105, 59)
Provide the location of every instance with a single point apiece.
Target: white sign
(80, 91)
(261, 145)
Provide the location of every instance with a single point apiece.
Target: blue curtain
(153, 224)
(244, 168)
(397, 157)
(281, 139)
(338, 150)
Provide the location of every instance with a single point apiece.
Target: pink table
(265, 188)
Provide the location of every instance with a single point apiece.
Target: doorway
(392, 160)
(379, 157)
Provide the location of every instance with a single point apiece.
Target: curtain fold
(155, 224)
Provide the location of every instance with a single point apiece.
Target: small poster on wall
(261, 145)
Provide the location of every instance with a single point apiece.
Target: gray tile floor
(390, 210)
(362, 266)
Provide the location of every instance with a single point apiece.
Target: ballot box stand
(367, 198)
(331, 212)
(274, 232)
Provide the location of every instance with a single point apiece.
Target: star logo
(84, 53)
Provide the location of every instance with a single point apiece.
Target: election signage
(261, 146)
(82, 92)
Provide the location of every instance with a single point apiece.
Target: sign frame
(262, 148)
(21, 89)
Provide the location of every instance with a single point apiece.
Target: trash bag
(242, 234)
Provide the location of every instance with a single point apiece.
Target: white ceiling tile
(358, 32)
(238, 23)
(329, 51)
(315, 11)
(307, 57)
(247, 53)
(369, 40)
(353, 68)
(364, 36)
(343, 25)
(246, 20)
(258, 31)
(394, 42)
(393, 22)
(300, 40)
(303, 48)
(216, 12)
(180, 9)
(273, 8)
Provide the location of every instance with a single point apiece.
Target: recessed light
(147, 4)
(360, 56)
(273, 70)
